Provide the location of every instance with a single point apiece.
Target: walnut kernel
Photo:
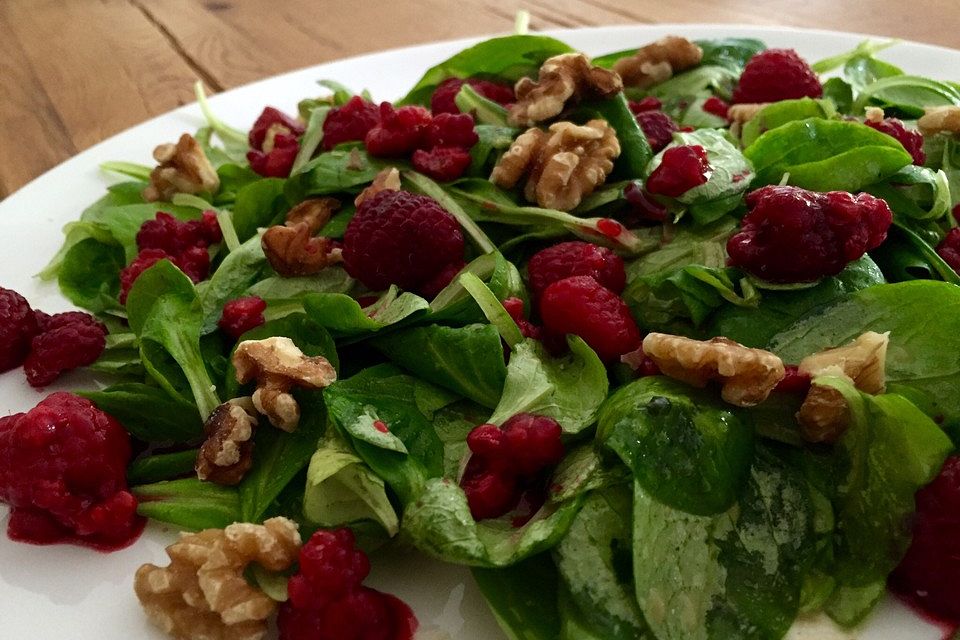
(747, 375)
(227, 453)
(658, 61)
(316, 212)
(562, 78)
(182, 168)
(945, 119)
(294, 251)
(386, 180)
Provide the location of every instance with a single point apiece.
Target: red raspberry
(400, 238)
(582, 306)
(18, 325)
(681, 169)
(650, 103)
(532, 443)
(793, 381)
(929, 574)
(658, 127)
(716, 106)
(242, 315)
(399, 131)
(643, 206)
(444, 96)
(443, 164)
(776, 74)
(70, 344)
(63, 472)
(194, 262)
(490, 492)
(795, 235)
(911, 139)
(278, 161)
(281, 123)
(330, 567)
(175, 236)
(514, 306)
(486, 440)
(349, 122)
(949, 248)
(575, 259)
(448, 130)
(438, 283)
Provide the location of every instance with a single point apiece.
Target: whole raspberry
(514, 306)
(438, 283)
(277, 162)
(444, 96)
(716, 106)
(532, 443)
(929, 574)
(400, 238)
(64, 347)
(349, 122)
(658, 127)
(399, 132)
(794, 235)
(242, 315)
(176, 236)
(575, 259)
(776, 74)
(18, 325)
(490, 492)
(275, 122)
(949, 248)
(442, 163)
(448, 130)
(911, 139)
(63, 472)
(650, 103)
(582, 306)
(681, 169)
(47, 322)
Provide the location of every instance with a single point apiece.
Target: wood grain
(73, 72)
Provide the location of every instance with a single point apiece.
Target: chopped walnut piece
(203, 595)
(945, 119)
(183, 168)
(824, 414)
(658, 61)
(741, 114)
(294, 251)
(569, 76)
(873, 114)
(278, 366)
(564, 164)
(747, 375)
(386, 180)
(227, 453)
(316, 212)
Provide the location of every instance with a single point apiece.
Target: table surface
(73, 72)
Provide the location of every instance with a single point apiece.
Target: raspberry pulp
(273, 118)
(242, 315)
(399, 132)
(349, 122)
(793, 381)
(400, 238)
(949, 247)
(716, 106)
(278, 162)
(650, 103)
(18, 325)
(442, 163)
(68, 341)
(444, 96)
(643, 206)
(681, 169)
(514, 307)
(774, 75)
(794, 235)
(582, 306)
(658, 127)
(911, 139)
(575, 259)
(176, 236)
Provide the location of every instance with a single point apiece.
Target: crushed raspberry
(681, 169)
(176, 236)
(794, 235)
(448, 130)
(349, 122)
(444, 96)
(658, 127)
(508, 462)
(776, 74)
(650, 103)
(399, 132)
(278, 161)
(242, 315)
(436, 284)
(442, 163)
(911, 139)
(18, 325)
(575, 259)
(68, 341)
(949, 248)
(716, 106)
(400, 238)
(582, 306)
(63, 472)
(195, 262)
(929, 574)
(514, 307)
(643, 206)
(327, 599)
(281, 123)
(793, 381)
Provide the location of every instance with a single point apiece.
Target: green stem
(430, 188)
(164, 466)
(485, 110)
(131, 169)
(225, 131)
(311, 139)
(492, 309)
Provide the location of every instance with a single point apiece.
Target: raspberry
(575, 259)
(400, 238)
(275, 118)
(330, 567)
(681, 169)
(175, 236)
(486, 440)
(949, 248)
(18, 325)
(643, 207)
(242, 315)
(350, 122)
(399, 131)
(443, 164)
(195, 262)
(63, 472)
(794, 381)
(650, 103)
(436, 284)
(929, 574)
(447, 130)
(490, 493)
(794, 235)
(582, 306)
(69, 343)
(532, 443)
(658, 127)
(277, 162)
(444, 96)
(716, 106)
(514, 306)
(776, 74)
(911, 140)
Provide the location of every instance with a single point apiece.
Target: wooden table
(73, 72)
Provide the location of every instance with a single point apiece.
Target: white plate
(73, 593)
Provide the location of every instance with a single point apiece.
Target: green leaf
(89, 275)
(189, 503)
(908, 94)
(123, 222)
(699, 82)
(162, 466)
(635, 151)
(312, 137)
(484, 110)
(343, 315)
(492, 308)
(780, 113)
(149, 413)
(235, 275)
(866, 48)
(523, 598)
(915, 192)
(340, 170)
(428, 187)
(733, 53)
(257, 204)
(454, 305)
(276, 289)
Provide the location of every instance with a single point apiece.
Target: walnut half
(658, 61)
(291, 248)
(945, 119)
(203, 595)
(562, 78)
(747, 376)
(227, 453)
(183, 168)
(563, 164)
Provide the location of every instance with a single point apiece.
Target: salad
(657, 343)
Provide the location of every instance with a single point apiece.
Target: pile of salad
(662, 344)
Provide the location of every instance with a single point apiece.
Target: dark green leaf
(149, 413)
(189, 503)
